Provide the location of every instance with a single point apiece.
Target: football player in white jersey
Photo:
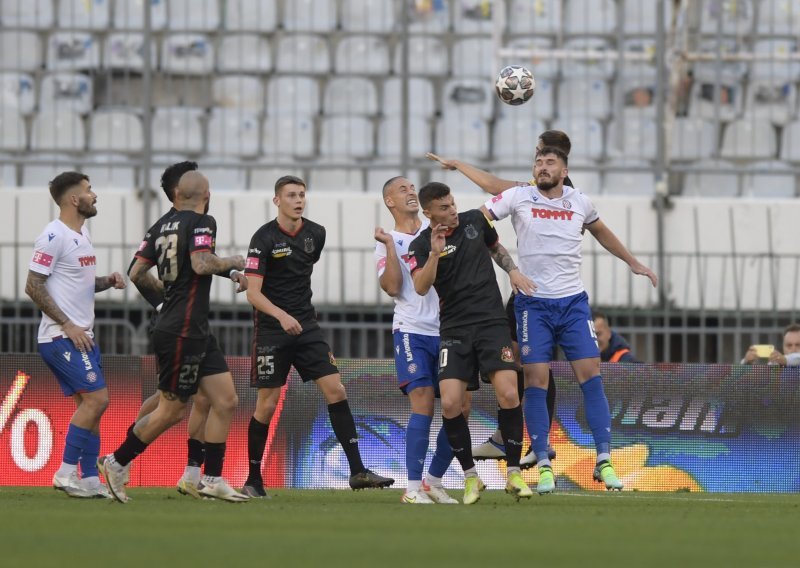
(548, 219)
(62, 283)
(415, 331)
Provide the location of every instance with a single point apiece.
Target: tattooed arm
(206, 263)
(114, 280)
(519, 282)
(150, 287)
(36, 290)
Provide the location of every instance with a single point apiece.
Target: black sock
(458, 435)
(551, 399)
(130, 448)
(345, 429)
(129, 431)
(195, 453)
(257, 433)
(510, 421)
(520, 384)
(215, 457)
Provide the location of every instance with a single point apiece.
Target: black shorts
(512, 317)
(274, 353)
(482, 347)
(182, 362)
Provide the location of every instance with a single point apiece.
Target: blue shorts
(543, 323)
(76, 371)
(416, 358)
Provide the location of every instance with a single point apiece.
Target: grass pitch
(40, 527)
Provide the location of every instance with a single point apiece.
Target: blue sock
(419, 428)
(74, 443)
(443, 455)
(537, 420)
(597, 413)
(91, 450)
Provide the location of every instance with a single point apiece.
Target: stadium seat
(711, 178)
(515, 138)
(69, 91)
(293, 96)
(238, 91)
(125, 51)
(703, 100)
(772, 101)
(72, 51)
(775, 70)
(709, 70)
(778, 17)
(378, 176)
(542, 68)
(20, 51)
(336, 179)
(473, 57)
(543, 105)
(621, 182)
(36, 14)
(641, 18)
(251, 15)
(129, 14)
(248, 53)
(233, 132)
(632, 137)
(83, 14)
(591, 16)
(115, 131)
(588, 136)
(528, 18)
(310, 15)
(8, 172)
(734, 18)
(193, 15)
(790, 142)
(362, 54)
(17, 91)
(427, 55)
(584, 97)
(39, 172)
(462, 138)
(636, 96)
(302, 54)
(769, 179)
(375, 16)
(60, 130)
(263, 179)
(351, 95)
(290, 136)
(693, 139)
(420, 97)
(12, 130)
(639, 69)
(390, 143)
(177, 129)
(346, 137)
(108, 171)
(473, 16)
(749, 139)
(187, 54)
(429, 17)
(467, 97)
(583, 173)
(227, 174)
(590, 68)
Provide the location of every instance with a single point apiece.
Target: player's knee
(96, 404)
(226, 403)
(200, 402)
(451, 406)
(507, 396)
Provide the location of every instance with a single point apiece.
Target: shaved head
(192, 186)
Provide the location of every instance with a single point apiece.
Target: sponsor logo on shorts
(87, 363)
(252, 263)
(203, 241)
(412, 368)
(526, 350)
(507, 355)
(91, 377)
(407, 348)
(42, 258)
(67, 356)
(525, 326)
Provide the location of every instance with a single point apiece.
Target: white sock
(471, 472)
(497, 437)
(511, 470)
(67, 468)
(544, 462)
(433, 481)
(91, 482)
(414, 485)
(603, 457)
(191, 472)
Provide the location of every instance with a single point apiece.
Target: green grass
(40, 527)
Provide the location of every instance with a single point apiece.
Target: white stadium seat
(641, 18)
(69, 91)
(17, 91)
(588, 131)
(778, 17)
(72, 51)
(749, 139)
(542, 67)
(346, 137)
(83, 14)
(427, 55)
(238, 91)
(251, 15)
(310, 15)
(351, 95)
(544, 103)
(769, 179)
(718, 180)
(472, 17)
(177, 129)
(8, 172)
(12, 130)
(535, 18)
(636, 96)
(20, 51)
(591, 16)
(776, 70)
(229, 175)
(129, 14)
(790, 142)
(103, 175)
(263, 179)
(125, 51)
(703, 100)
(642, 70)
(302, 54)
(772, 101)
(60, 130)
(115, 131)
(193, 15)
(473, 57)
(712, 47)
(376, 16)
(362, 54)
(429, 17)
(336, 179)
(187, 54)
(584, 97)
(515, 138)
(40, 172)
(420, 97)
(233, 132)
(732, 17)
(632, 137)
(390, 133)
(293, 95)
(27, 14)
(599, 68)
(288, 136)
(469, 98)
(248, 53)
(693, 139)
(467, 138)
(621, 182)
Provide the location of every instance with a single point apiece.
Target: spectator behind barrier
(791, 350)
(613, 347)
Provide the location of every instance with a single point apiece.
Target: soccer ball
(515, 85)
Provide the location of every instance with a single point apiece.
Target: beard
(547, 184)
(87, 210)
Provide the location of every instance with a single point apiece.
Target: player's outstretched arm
(391, 280)
(36, 289)
(263, 304)
(426, 275)
(114, 280)
(483, 179)
(207, 263)
(519, 282)
(612, 244)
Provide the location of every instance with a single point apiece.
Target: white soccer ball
(515, 85)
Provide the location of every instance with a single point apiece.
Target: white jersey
(68, 260)
(412, 313)
(548, 236)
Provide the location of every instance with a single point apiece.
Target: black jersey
(169, 245)
(465, 279)
(285, 262)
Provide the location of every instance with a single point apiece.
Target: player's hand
(446, 164)
(751, 356)
(521, 284)
(438, 239)
(642, 270)
(238, 262)
(240, 279)
(777, 358)
(290, 325)
(382, 236)
(116, 280)
(78, 336)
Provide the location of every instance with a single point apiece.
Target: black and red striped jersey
(169, 244)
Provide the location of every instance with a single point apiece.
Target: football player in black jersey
(182, 248)
(280, 261)
(454, 255)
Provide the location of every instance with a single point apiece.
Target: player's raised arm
(483, 179)
(390, 275)
(612, 244)
(425, 275)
